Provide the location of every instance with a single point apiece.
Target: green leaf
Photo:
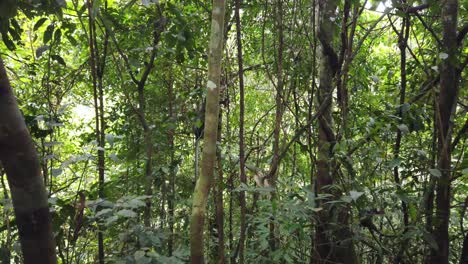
(403, 128)
(103, 212)
(56, 172)
(404, 107)
(355, 194)
(71, 39)
(8, 42)
(48, 33)
(95, 8)
(59, 59)
(135, 203)
(443, 55)
(435, 173)
(345, 198)
(110, 139)
(400, 13)
(394, 163)
(198, 123)
(39, 23)
(139, 254)
(114, 157)
(126, 213)
(111, 220)
(412, 212)
(16, 30)
(41, 50)
(58, 35)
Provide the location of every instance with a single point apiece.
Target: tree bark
(332, 244)
(243, 178)
(464, 253)
(97, 72)
(219, 201)
(273, 172)
(19, 159)
(447, 102)
(172, 166)
(204, 182)
(403, 36)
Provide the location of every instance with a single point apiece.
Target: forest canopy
(272, 131)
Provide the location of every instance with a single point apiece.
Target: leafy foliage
(46, 50)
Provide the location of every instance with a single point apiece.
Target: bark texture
(19, 159)
(204, 182)
(333, 240)
(447, 102)
(243, 177)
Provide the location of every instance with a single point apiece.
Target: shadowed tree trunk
(172, 173)
(464, 254)
(97, 66)
(279, 87)
(219, 202)
(333, 244)
(19, 159)
(204, 182)
(447, 101)
(243, 177)
(403, 36)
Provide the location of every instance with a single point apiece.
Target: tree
(204, 182)
(336, 131)
(19, 159)
(446, 107)
(332, 244)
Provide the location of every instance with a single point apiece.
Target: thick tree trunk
(446, 108)
(19, 159)
(464, 253)
(333, 244)
(204, 182)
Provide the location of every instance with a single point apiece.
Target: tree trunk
(204, 182)
(403, 36)
(172, 166)
(219, 202)
(464, 253)
(19, 159)
(446, 108)
(273, 172)
(97, 72)
(332, 244)
(243, 178)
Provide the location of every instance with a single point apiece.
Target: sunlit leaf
(435, 172)
(443, 55)
(355, 194)
(126, 213)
